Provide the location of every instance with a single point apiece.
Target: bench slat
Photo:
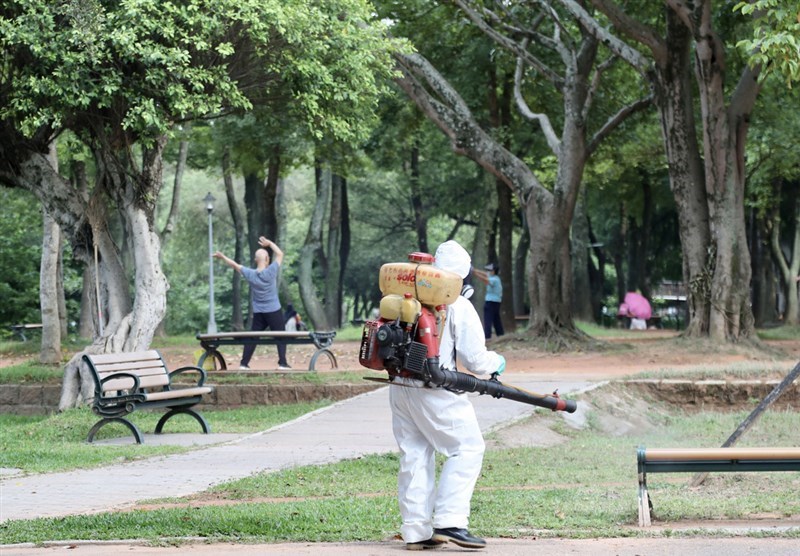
(179, 393)
(149, 367)
(720, 454)
(255, 334)
(126, 356)
(125, 383)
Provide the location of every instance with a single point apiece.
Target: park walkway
(348, 429)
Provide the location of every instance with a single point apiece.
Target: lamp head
(209, 201)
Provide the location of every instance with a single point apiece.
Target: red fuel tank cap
(419, 257)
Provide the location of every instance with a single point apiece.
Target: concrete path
(661, 546)
(347, 429)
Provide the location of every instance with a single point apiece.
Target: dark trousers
(491, 317)
(262, 321)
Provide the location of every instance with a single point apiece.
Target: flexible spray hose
(461, 381)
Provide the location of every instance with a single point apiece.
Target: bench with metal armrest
(211, 343)
(125, 382)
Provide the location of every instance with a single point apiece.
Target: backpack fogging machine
(404, 339)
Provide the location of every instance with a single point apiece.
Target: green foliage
(775, 43)
(143, 64)
(20, 254)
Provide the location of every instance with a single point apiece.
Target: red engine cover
(368, 353)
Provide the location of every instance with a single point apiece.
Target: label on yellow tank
(428, 284)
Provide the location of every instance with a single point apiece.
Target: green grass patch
(31, 372)
(785, 332)
(732, 371)
(41, 444)
(583, 488)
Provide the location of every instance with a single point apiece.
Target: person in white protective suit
(429, 419)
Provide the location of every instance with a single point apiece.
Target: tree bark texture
(579, 245)
(333, 277)
(521, 304)
(420, 220)
(133, 189)
(311, 252)
(548, 213)
(237, 322)
(789, 265)
(708, 185)
(180, 168)
(50, 285)
(50, 352)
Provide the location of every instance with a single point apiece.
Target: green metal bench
(125, 382)
(708, 459)
(211, 342)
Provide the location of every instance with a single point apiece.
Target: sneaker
(244, 368)
(424, 545)
(284, 367)
(461, 537)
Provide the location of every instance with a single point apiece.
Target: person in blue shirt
(494, 295)
(263, 280)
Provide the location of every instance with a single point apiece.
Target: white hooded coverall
(428, 420)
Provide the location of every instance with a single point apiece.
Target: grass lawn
(41, 444)
(585, 487)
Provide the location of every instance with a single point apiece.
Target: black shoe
(424, 545)
(461, 537)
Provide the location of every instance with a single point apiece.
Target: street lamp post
(212, 323)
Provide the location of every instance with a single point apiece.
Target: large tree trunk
(674, 98)
(49, 282)
(725, 133)
(237, 322)
(180, 168)
(521, 306)
(550, 280)
(83, 220)
(312, 251)
(708, 190)
(579, 245)
(86, 324)
(789, 266)
(420, 220)
(48, 291)
(638, 270)
(333, 276)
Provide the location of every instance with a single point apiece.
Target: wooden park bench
(211, 342)
(702, 460)
(125, 382)
(20, 329)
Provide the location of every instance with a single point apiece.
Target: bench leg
(328, 353)
(644, 503)
(172, 412)
(219, 360)
(103, 422)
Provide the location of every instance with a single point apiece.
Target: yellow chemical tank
(430, 285)
(406, 308)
